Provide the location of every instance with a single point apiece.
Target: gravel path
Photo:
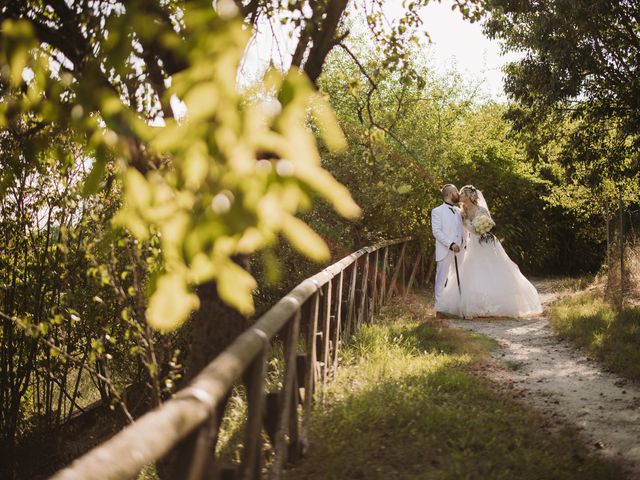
(564, 383)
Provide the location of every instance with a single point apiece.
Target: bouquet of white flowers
(483, 224)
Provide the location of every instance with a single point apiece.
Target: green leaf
(324, 183)
(202, 101)
(171, 303)
(286, 93)
(328, 124)
(235, 286)
(272, 269)
(137, 188)
(93, 179)
(19, 38)
(304, 239)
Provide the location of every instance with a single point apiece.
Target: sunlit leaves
(171, 303)
(304, 239)
(331, 133)
(221, 182)
(235, 286)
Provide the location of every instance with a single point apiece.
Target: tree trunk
(214, 326)
(324, 38)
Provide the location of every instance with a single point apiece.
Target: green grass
(408, 403)
(593, 323)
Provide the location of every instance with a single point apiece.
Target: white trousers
(442, 271)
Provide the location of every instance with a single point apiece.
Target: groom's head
(450, 193)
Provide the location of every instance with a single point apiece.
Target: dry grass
(611, 277)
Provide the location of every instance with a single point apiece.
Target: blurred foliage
(219, 183)
(114, 209)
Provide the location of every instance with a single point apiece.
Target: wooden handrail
(159, 431)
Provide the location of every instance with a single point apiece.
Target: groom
(448, 230)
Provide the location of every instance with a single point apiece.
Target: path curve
(564, 383)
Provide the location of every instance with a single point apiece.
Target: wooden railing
(328, 307)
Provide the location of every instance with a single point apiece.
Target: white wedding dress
(491, 284)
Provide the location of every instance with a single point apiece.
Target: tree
(579, 69)
(576, 106)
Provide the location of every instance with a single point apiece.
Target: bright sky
(459, 43)
(456, 43)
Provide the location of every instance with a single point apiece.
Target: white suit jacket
(447, 227)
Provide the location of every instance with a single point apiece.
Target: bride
(491, 285)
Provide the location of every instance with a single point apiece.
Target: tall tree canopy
(576, 86)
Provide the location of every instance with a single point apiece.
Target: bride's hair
(471, 192)
(476, 197)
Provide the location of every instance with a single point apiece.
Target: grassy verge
(407, 403)
(591, 322)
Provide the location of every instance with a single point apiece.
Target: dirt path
(565, 384)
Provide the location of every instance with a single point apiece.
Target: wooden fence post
(252, 464)
(404, 273)
(202, 463)
(374, 289)
(352, 298)
(364, 285)
(413, 274)
(431, 265)
(383, 280)
(621, 237)
(396, 271)
(608, 225)
(288, 406)
(338, 326)
(326, 337)
(310, 379)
